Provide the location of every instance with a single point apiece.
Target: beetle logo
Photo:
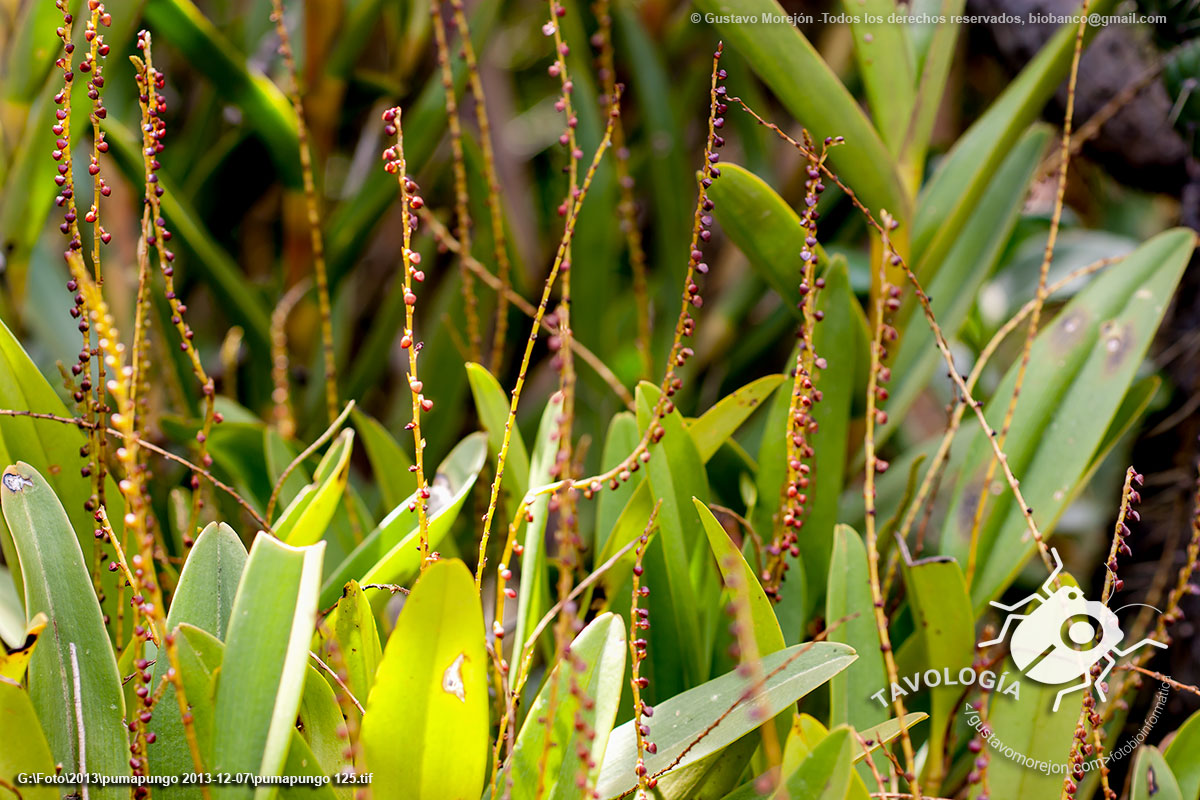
(1064, 636)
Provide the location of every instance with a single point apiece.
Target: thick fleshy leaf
(681, 721)
(389, 554)
(788, 63)
(825, 774)
(12, 611)
(714, 427)
(53, 450)
(620, 440)
(200, 655)
(433, 680)
(954, 283)
(1180, 756)
(350, 628)
(203, 601)
(711, 776)
(1080, 369)
(1028, 724)
(1152, 777)
(262, 677)
(848, 603)
(601, 649)
(73, 680)
(740, 581)
(953, 192)
(883, 53)
(209, 581)
(318, 721)
(945, 640)
(307, 518)
(27, 752)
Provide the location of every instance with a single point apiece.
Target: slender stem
(446, 239)
(563, 245)
(333, 428)
(1039, 298)
(462, 200)
(314, 213)
(410, 201)
(281, 393)
(499, 237)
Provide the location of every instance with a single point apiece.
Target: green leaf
(203, 600)
(389, 462)
(492, 404)
(266, 109)
(741, 581)
(1030, 727)
(533, 596)
(279, 454)
(765, 228)
(933, 49)
(307, 518)
(945, 640)
(53, 450)
(73, 680)
(350, 628)
(425, 733)
(1180, 756)
(825, 774)
(714, 427)
(25, 753)
(711, 776)
(954, 191)
(681, 721)
(209, 581)
(954, 283)
(601, 648)
(620, 440)
(674, 480)
(1079, 371)
(12, 611)
(1152, 777)
(262, 678)
(848, 602)
(200, 655)
(884, 64)
(318, 721)
(389, 554)
(789, 64)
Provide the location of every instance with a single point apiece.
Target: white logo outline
(1048, 643)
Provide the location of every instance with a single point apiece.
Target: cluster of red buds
(150, 84)
(977, 746)
(639, 623)
(1120, 543)
(410, 202)
(802, 423)
(140, 720)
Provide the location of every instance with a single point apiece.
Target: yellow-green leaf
(425, 733)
